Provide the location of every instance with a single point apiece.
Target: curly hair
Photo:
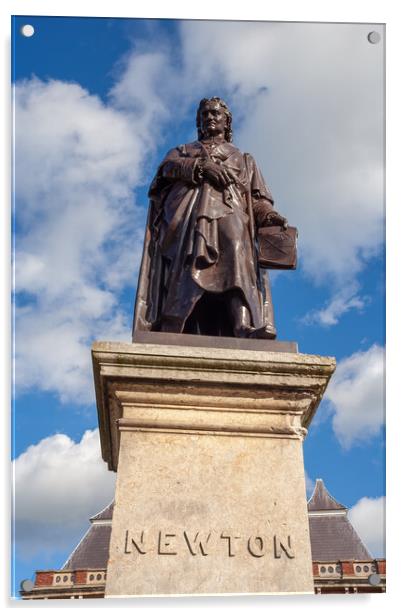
(216, 99)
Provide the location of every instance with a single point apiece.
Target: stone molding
(162, 388)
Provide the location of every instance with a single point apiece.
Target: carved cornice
(204, 391)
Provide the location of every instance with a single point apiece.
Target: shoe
(243, 332)
(267, 332)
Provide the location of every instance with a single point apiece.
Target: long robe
(202, 240)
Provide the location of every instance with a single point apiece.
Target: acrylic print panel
(97, 104)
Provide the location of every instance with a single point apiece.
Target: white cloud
(79, 236)
(142, 91)
(343, 301)
(310, 101)
(53, 346)
(356, 394)
(59, 485)
(368, 518)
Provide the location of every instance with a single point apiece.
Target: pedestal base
(207, 443)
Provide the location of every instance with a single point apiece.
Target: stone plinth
(207, 445)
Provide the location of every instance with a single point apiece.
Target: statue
(200, 272)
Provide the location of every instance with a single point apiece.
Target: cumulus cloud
(78, 231)
(58, 485)
(343, 301)
(368, 518)
(143, 92)
(356, 395)
(53, 346)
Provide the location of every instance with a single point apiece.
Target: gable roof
(92, 552)
(332, 536)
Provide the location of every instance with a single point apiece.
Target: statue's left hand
(273, 218)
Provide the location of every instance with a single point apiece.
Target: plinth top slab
(175, 353)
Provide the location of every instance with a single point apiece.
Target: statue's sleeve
(177, 165)
(261, 197)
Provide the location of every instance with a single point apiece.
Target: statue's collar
(199, 147)
(213, 141)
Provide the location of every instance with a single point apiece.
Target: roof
(334, 538)
(93, 550)
(105, 514)
(321, 499)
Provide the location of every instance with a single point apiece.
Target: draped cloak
(201, 239)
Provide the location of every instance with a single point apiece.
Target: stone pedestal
(207, 445)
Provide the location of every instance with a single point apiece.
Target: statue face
(213, 119)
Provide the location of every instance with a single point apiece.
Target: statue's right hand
(218, 175)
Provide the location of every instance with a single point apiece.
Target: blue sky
(97, 104)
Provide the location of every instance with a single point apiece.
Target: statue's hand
(218, 175)
(273, 218)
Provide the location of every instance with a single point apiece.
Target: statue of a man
(199, 272)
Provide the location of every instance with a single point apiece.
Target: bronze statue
(200, 271)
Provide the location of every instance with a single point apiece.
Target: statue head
(216, 101)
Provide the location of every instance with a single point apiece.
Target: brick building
(341, 562)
